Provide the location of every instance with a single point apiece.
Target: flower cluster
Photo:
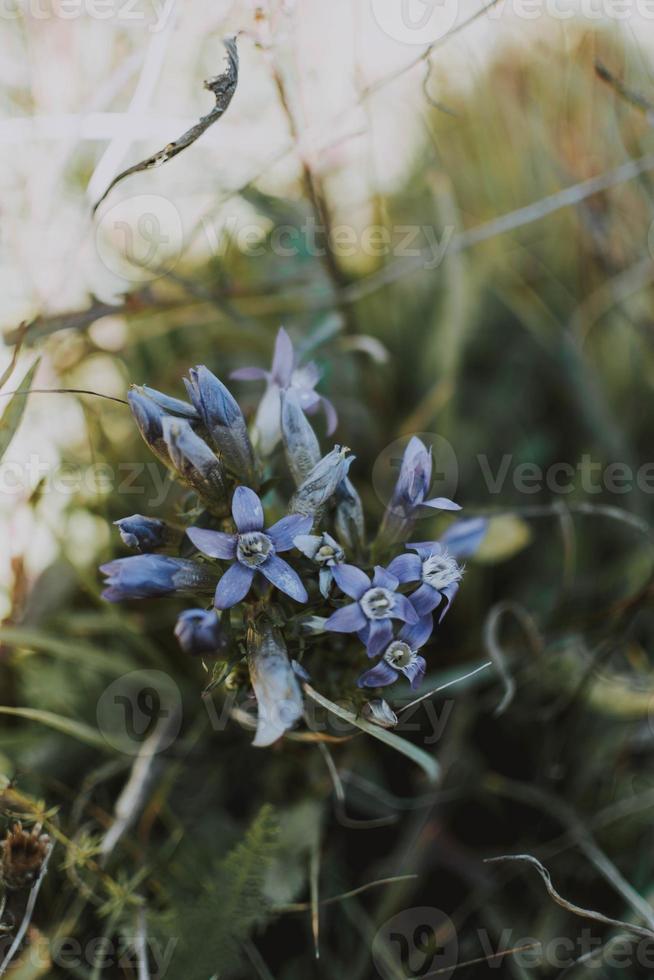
(255, 575)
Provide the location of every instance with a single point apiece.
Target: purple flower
(463, 538)
(149, 408)
(284, 375)
(325, 552)
(143, 533)
(401, 657)
(199, 632)
(252, 550)
(438, 572)
(151, 576)
(223, 420)
(377, 603)
(414, 482)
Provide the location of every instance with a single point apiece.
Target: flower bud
(349, 520)
(300, 441)
(223, 420)
(170, 405)
(278, 694)
(146, 534)
(196, 464)
(320, 485)
(199, 632)
(148, 417)
(379, 712)
(151, 576)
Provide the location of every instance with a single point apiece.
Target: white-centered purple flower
(252, 549)
(401, 657)
(377, 603)
(438, 572)
(326, 552)
(435, 565)
(151, 576)
(285, 374)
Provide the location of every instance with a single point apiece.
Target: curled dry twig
(494, 649)
(223, 87)
(569, 906)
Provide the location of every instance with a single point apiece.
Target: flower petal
(347, 619)
(331, 417)
(250, 374)
(283, 359)
(379, 636)
(215, 544)
(417, 634)
(247, 510)
(463, 538)
(325, 579)
(384, 579)
(406, 568)
(234, 584)
(284, 532)
(425, 599)
(426, 548)
(308, 544)
(381, 675)
(448, 594)
(415, 671)
(441, 503)
(351, 580)
(284, 578)
(403, 609)
(268, 420)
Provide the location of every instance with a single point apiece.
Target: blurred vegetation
(535, 343)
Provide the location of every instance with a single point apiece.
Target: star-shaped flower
(435, 564)
(326, 552)
(252, 549)
(401, 657)
(377, 603)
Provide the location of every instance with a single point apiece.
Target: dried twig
(633, 98)
(306, 906)
(570, 906)
(29, 912)
(223, 87)
(495, 652)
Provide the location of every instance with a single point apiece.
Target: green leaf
(413, 752)
(67, 726)
(13, 413)
(75, 652)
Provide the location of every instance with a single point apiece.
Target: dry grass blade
(570, 906)
(495, 652)
(633, 98)
(29, 912)
(223, 87)
(306, 906)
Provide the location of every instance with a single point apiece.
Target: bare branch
(223, 87)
